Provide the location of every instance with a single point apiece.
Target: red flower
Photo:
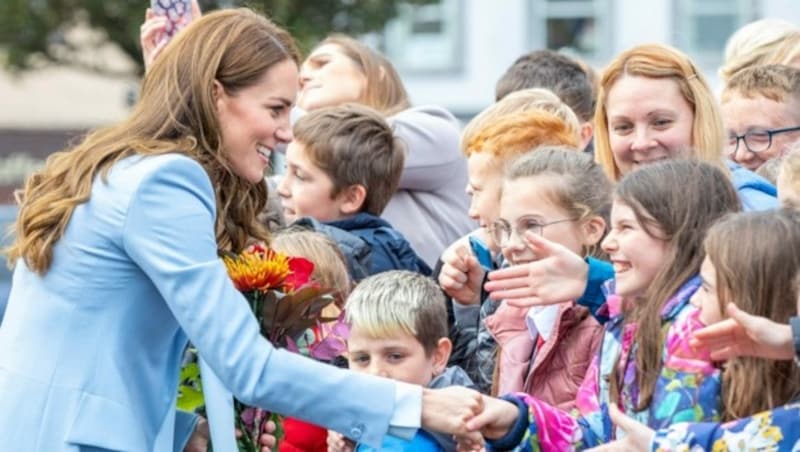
(300, 271)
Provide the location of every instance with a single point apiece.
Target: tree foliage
(70, 32)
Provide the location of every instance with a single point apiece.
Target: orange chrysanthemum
(258, 268)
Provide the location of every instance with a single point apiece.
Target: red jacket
(299, 436)
(558, 367)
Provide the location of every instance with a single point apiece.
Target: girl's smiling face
(638, 254)
(526, 206)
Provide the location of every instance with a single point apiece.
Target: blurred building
(452, 52)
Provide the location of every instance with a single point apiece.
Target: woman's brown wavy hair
(756, 260)
(176, 113)
(676, 201)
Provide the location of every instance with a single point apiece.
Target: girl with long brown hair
(751, 261)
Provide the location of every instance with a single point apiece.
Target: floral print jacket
(776, 430)
(687, 389)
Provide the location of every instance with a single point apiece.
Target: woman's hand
(557, 275)
(743, 334)
(198, 442)
(338, 443)
(637, 435)
(461, 275)
(447, 410)
(152, 32)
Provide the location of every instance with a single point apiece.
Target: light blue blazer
(90, 352)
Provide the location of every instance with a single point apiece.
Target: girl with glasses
(562, 194)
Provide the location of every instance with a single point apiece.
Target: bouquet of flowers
(288, 305)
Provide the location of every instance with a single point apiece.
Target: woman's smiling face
(648, 120)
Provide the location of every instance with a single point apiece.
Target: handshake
(464, 413)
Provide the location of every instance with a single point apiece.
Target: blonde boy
(761, 113)
(399, 330)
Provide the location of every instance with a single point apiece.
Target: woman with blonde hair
(117, 267)
(654, 104)
(765, 41)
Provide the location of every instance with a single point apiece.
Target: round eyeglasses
(756, 140)
(501, 230)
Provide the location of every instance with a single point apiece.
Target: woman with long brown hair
(116, 265)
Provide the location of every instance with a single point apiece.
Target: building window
(426, 38)
(579, 27)
(702, 27)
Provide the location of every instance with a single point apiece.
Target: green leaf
(190, 388)
(189, 398)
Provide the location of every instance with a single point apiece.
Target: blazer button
(356, 431)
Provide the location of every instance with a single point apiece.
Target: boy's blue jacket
(370, 244)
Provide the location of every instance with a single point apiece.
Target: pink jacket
(558, 368)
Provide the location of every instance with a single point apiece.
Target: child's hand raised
(745, 335)
(151, 33)
(557, 275)
(338, 443)
(461, 275)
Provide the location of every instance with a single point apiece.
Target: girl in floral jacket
(751, 260)
(659, 218)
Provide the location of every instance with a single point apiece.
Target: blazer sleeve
(169, 234)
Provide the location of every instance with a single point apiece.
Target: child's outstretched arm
(558, 275)
(745, 335)
(519, 422)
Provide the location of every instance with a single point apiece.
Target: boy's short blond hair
(354, 145)
(330, 267)
(755, 44)
(399, 301)
(532, 99)
(775, 82)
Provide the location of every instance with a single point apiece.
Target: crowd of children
(622, 216)
(618, 227)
